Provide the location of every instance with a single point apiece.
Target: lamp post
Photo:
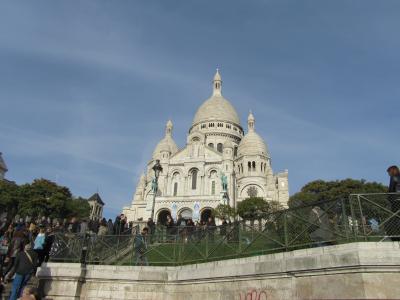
(157, 168)
(234, 190)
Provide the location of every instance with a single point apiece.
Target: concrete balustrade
(351, 271)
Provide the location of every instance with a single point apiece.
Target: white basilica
(217, 146)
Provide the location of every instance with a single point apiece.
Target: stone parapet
(350, 271)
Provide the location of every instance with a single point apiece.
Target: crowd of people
(186, 229)
(25, 243)
(23, 247)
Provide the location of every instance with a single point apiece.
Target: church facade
(219, 164)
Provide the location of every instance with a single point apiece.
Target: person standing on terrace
(393, 225)
(140, 245)
(394, 174)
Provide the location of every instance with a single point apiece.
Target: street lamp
(157, 168)
(234, 190)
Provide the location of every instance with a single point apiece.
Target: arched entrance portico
(186, 213)
(162, 215)
(205, 213)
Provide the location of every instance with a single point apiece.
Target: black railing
(361, 217)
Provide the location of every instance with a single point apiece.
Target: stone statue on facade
(224, 181)
(154, 185)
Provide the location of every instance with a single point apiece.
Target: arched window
(219, 147)
(254, 165)
(211, 145)
(261, 165)
(175, 181)
(235, 149)
(249, 166)
(213, 188)
(175, 188)
(194, 179)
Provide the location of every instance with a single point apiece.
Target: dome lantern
(217, 84)
(168, 128)
(250, 122)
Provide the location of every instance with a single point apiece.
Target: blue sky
(86, 87)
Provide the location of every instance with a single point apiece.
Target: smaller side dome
(167, 144)
(252, 143)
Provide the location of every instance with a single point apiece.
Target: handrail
(360, 217)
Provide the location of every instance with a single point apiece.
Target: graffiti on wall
(253, 295)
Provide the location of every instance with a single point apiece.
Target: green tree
(335, 195)
(79, 207)
(10, 197)
(42, 197)
(256, 208)
(224, 211)
(320, 190)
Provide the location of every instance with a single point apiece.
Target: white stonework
(216, 146)
(348, 271)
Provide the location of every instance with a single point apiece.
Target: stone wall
(350, 271)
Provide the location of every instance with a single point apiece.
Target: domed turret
(252, 143)
(167, 144)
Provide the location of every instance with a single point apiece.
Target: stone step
(34, 281)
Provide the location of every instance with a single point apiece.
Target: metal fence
(361, 217)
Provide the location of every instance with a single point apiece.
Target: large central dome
(216, 108)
